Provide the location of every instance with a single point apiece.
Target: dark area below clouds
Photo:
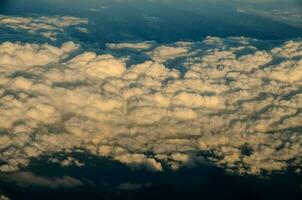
(107, 179)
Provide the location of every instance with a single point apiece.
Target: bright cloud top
(48, 27)
(232, 105)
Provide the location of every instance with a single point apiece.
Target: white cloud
(46, 26)
(133, 46)
(16, 54)
(165, 53)
(229, 96)
(287, 71)
(97, 66)
(290, 49)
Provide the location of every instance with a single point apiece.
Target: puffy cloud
(45, 26)
(165, 53)
(97, 66)
(290, 49)
(28, 179)
(232, 105)
(140, 160)
(287, 71)
(195, 100)
(16, 54)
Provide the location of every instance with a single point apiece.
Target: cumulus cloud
(233, 104)
(165, 53)
(46, 26)
(16, 55)
(28, 179)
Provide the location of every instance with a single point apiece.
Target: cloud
(45, 26)
(230, 95)
(97, 65)
(100, 9)
(16, 54)
(28, 179)
(2, 197)
(133, 46)
(289, 14)
(165, 53)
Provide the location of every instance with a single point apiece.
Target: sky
(131, 99)
(189, 20)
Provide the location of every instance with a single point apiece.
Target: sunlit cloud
(48, 27)
(230, 98)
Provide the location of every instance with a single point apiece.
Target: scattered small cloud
(133, 46)
(241, 10)
(82, 29)
(45, 26)
(101, 9)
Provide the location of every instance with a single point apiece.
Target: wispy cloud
(28, 179)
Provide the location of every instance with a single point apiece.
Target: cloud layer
(228, 102)
(45, 26)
